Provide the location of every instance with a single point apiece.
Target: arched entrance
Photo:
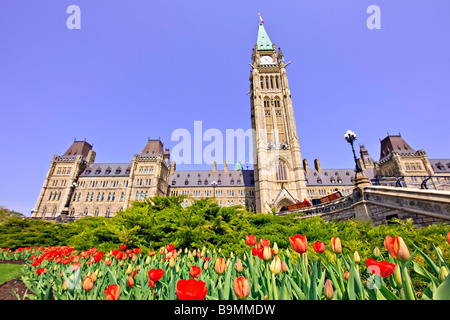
(282, 205)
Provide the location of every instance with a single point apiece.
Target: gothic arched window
(281, 171)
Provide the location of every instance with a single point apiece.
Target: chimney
(225, 166)
(214, 166)
(305, 165)
(317, 165)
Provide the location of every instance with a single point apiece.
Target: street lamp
(351, 137)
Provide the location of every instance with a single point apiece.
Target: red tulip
(448, 237)
(155, 274)
(191, 289)
(170, 247)
(264, 243)
(299, 243)
(195, 271)
(397, 248)
(250, 240)
(336, 245)
(112, 292)
(122, 247)
(241, 287)
(318, 247)
(382, 268)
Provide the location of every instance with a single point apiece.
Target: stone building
(76, 186)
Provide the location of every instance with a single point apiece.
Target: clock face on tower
(266, 60)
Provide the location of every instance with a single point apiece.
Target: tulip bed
(262, 272)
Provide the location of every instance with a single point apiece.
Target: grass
(10, 272)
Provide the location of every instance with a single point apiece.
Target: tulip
(328, 290)
(205, 266)
(241, 287)
(267, 253)
(250, 240)
(275, 248)
(398, 276)
(264, 243)
(346, 275)
(336, 246)
(318, 247)
(238, 266)
(443, 273)
(129, 269)
(65, 285)
(275, 266)
(172, 262)
(383, 268)
(220, 265)
(151, 283)
(147, 260)
(94, 276)
(88, 284)
(195, 271)
(191, 289)
(356, 257)
(284, 266)
(299, 243)
(112, 292)
(376, 252)
(130, 281)
(155, 274)
(448, 237)
(397, 248)
(122, 247)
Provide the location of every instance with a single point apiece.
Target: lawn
(9, 272)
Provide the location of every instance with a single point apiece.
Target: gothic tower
(279, 174)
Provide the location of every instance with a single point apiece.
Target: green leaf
(430, 262)
(387, 294)
(443, 291)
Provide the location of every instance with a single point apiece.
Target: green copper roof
(238, 166)
(263, 42)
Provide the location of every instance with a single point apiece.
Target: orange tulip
(112, 292)
(195, 271)
(299, 243)
(284, 266)
(88, 283)
(241, 288)
(130, 281)
(336, 245)
(238, 266)
(396, 248)
(220, 265)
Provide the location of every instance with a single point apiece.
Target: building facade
(76, 186)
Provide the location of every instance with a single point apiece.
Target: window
(108, 212)
(127, 171)
(332, 180)
(219, 183)
(173, 182)
(206, 182)
(232, 182)
(186, 182)
(98, 196)
(339, 180)
(44, 212)
(118, 171)
(87, 197)
(281, 171)
(199, 182)
(319, 181)
(108, 171)
(96, 213)
(121, 196)
(51, 194)
(92, 196)
(109, 197)
(239, 182)
(98, 171)
(103, 196)
(54, 212)
(87, 172)
(137, 195)
(276, 81)
(262, 82)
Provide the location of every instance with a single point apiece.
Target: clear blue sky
(140, 69)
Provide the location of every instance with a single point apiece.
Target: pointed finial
(260, 18)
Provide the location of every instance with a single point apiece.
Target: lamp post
(351, 137)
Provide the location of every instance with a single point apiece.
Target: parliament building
(76, 186)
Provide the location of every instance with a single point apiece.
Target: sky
(141, 69)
